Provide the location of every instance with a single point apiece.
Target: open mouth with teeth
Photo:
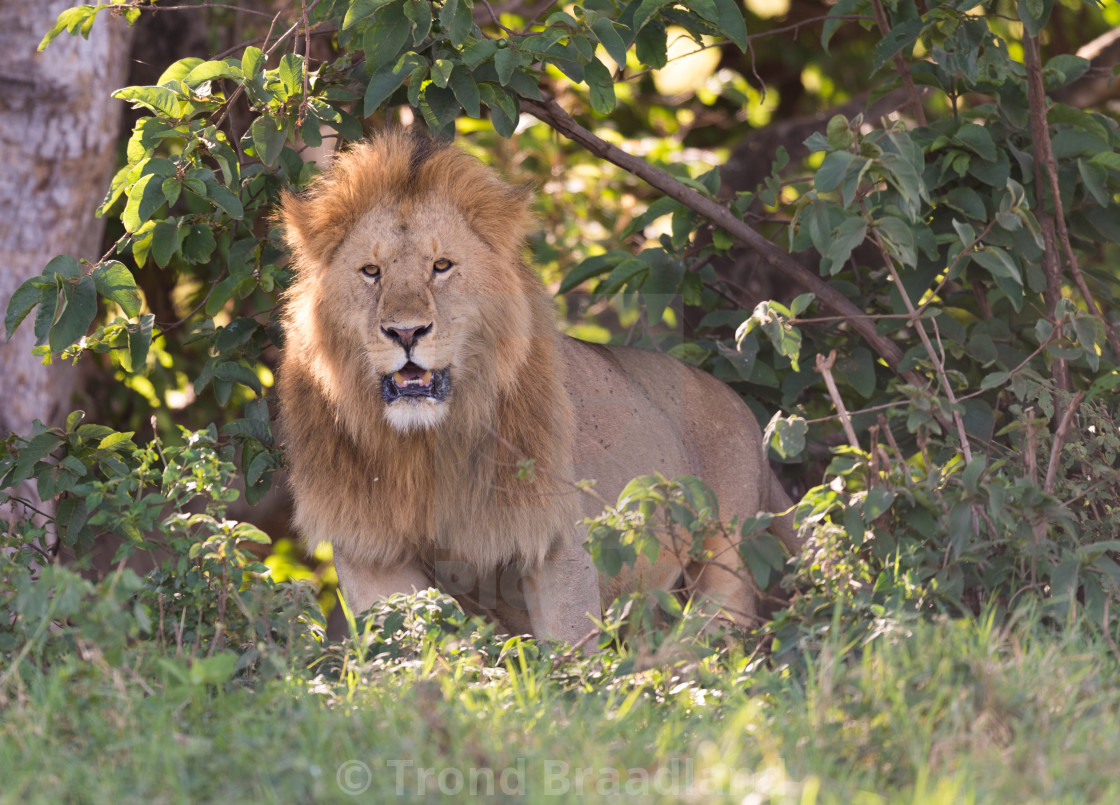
(412, 381)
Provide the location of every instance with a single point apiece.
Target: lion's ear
(290, 216)
(502, 215)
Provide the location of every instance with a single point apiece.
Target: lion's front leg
(563, 595)
(363, 585)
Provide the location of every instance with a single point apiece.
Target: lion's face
(430, 305)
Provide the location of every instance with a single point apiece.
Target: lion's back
(639, 412)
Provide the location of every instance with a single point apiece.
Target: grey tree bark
(58, 130)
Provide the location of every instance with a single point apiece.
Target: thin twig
(1059, 439)
(570, 654)
(824, 367)
(919, 327)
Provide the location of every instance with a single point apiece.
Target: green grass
(943, 712)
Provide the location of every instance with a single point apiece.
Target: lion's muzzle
(415, 382)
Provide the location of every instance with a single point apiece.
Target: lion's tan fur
(400, 495)
(381, 496)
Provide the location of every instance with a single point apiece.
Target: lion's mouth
(415, 382)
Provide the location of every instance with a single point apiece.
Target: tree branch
(1059, 442)
(1046, 167)
(550, 112)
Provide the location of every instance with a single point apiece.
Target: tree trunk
(58, 135)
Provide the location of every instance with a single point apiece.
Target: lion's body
(422, 369)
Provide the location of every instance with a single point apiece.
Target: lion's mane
(383, 496)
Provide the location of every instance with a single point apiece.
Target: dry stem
(824, 366)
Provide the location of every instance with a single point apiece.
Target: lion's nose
(406, 336)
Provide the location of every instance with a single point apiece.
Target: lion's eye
(371, 271)
(441, 265)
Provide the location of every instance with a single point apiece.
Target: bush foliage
(957, 255)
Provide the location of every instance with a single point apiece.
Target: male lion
(423, 370)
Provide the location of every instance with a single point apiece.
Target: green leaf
(604, 29)
(172, 188)
(238, 373)
(439, 107)
(999, 263)
(62, 264)
(165, 242)
(899, 239)
(591, 267)
(1035, 14)
(1107, 159)
(78, 314)
(359, 10)
(462, 83)
(787, 436)
(878, 500)
(49, 301)
(836, 17)
(214, 670)
(1064, 69)
(384, 40)
(420, 12)
(441, 72)
(901, 36)
(225, 199)
(198, 244)
(967, 201)
(977, 139)
(77, 20)
(221, 294)
(290, 73)
(652, 45)
(993, 380)
(144, 198)
(37, 449)
(23, 300)
(268, 139)
(1095, 179)
(505, 61)
(252, 61)
(832, 170)
(139, 342)
(479, 51)
(115, 442)
(177, 71)
(212, 71)
(800, 304)
(858, 371)
(731, 24)
(601, 85)
(1075, 142)
(664, 205)
(647, 10)
(116, 283)
(385, 82)
(1089, 332)
(250, 533)
(851, 233)
(525, 84)
(455, 17)
(505, 113)
(160, 100)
